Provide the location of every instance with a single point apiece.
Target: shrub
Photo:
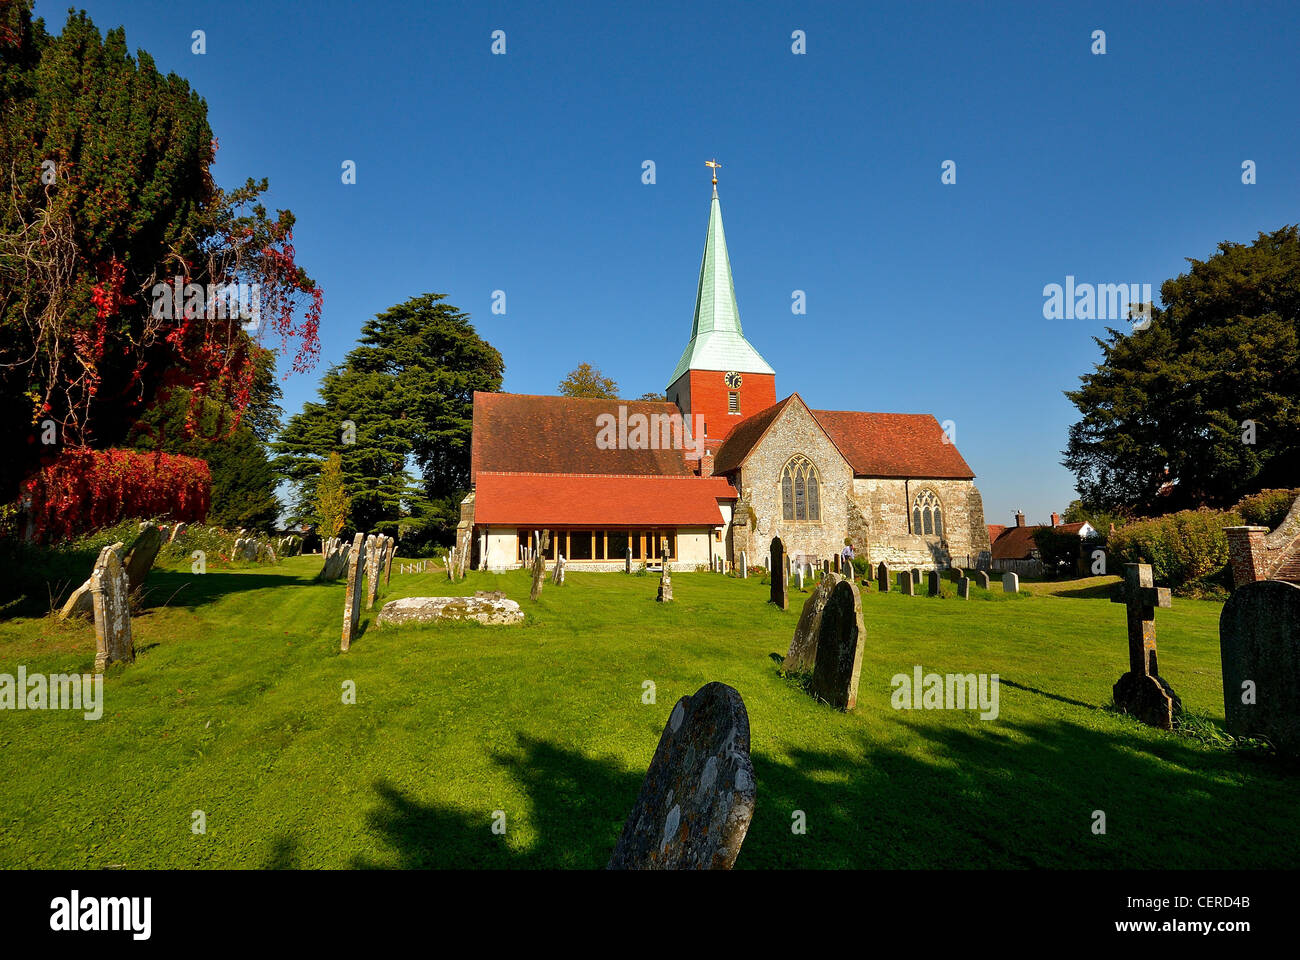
(90, 489)
(1184, 548)
(1268, 508)
(862, 567)
(1058, 550)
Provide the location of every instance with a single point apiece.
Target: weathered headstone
(539, 564)
(839, 648)
(110, 600)
(963, 588)
(139, 559)
(665, 594)
(801, 577)
(178, 529)
(697, 799)
(777, 559)
(352, 599)
(803, 646)
(388, 561)
(882, 578)
(1142, 692)
(374, 544)
(826, 567)
(488, 609)
(557, 574)
(1259, 643)
(80, 602)
(627, 560)
(1010, 582)
(744, 565)
(932, 585)
(982, 578)
(906, 585)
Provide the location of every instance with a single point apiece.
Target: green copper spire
(717, 342)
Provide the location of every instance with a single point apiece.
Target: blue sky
(523, 173)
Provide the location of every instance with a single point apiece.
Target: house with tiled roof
(718, 469)
(1014, 548)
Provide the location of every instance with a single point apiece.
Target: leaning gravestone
(1259, 644)
(139, 559)
(839, 648)
(982, 578)
(352, 600)
(81, 602)
(778, 574)
(906, 585)
(110, 598)
(932, 584)
(882, 578)
(803, 647)
(1010, 582)
(697, 799)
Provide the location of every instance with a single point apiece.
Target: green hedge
(1268, 508)
(1187, 550)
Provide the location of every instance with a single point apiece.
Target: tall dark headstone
(932, 582)
(1259, 643)
(906, 585)
(803, 647)
(1142, 692)
(982, 578)
(839, 648)
(778, 575)
(963, 588)
(697, 799)
(882, 578)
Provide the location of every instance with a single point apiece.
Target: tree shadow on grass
(576, 809)
(169, 588)
(990, 798)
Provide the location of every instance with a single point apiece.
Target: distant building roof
(1017, 543)
(582, 500)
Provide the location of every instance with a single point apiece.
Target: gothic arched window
(927, 515)
(800, 491)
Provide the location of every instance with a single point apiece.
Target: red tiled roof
(1015, 543)
(586, 500)
(894, 444)
(516, 432)
(995, 530)
(744, 435)
(874, 444)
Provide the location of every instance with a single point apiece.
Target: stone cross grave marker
(1141, 691)
(803, 646)
(778, 572)
(110, 594)
(1259, 644)
(1010, 582)
(840, 639)
(882, 578)
(932, 585)
(352, 599)
(697, 799)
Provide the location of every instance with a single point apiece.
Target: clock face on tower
(732, 380)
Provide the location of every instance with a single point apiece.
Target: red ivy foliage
(85, 489)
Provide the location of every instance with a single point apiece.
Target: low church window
(927, 515)
(800, 491)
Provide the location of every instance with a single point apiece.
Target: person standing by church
(846, 557)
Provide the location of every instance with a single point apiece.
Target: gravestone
(777, 560)
(627, 560)
(982, 578)
(352, 599)
(697, 799)
(139, 559)
(557, 575)
(803, 646)
(826, 567)
(882, 578)
(665, 594)
(801, 577)
(539, 564)
(932, 584)
(1259, 644)
(1142, 692)
(916, 577)
(840, 639)
(492, 609)
(178, 529)
(374, 544)
(838, 568)
(906, 586)
(81, 602)
(111, 604)
(963, 588)
(388, 561)
(744, 565)
(1010, 582)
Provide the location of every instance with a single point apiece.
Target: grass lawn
(234, 707)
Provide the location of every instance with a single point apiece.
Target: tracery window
(927, 515)
(800, 491)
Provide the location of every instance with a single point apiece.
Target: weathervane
(715, 165)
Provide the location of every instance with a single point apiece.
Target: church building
(717, 469)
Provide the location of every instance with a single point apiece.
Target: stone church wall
(886, 504)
